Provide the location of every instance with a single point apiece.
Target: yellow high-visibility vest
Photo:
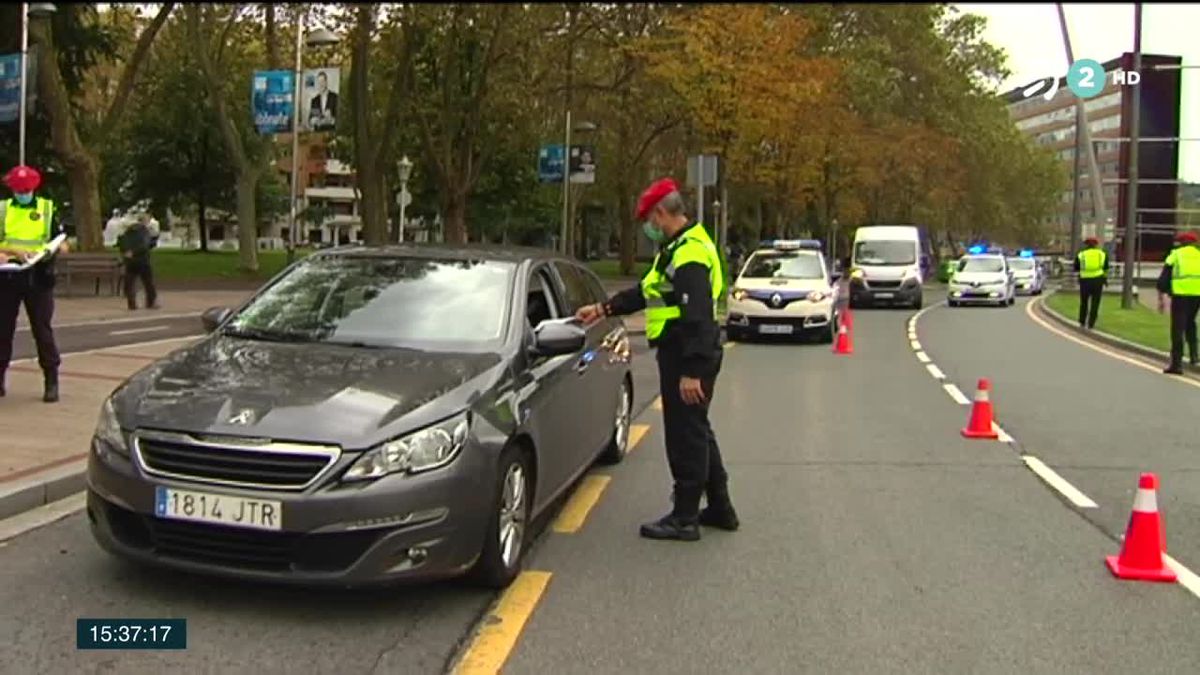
(1091, 263)
(25, 228)
(694, 246)
(1185, 270)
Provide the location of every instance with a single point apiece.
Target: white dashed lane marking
(935, 372)
(956, 394)
(1059, 483)
(915, 345)
(923, 357)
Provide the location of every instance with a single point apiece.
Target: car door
(598, 402)
(552, 388)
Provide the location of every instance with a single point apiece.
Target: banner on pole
(550, 163)
(10, 85)
(319, 100)
(272, 100)
(583, 164)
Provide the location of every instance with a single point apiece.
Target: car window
(384, 302)
(1021, 264)
(981, 265)
(885, 252)
(598, 294)
(784, 265)
(577, 292)
(541, 302)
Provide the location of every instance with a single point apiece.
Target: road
(78, 337)
(875, 538)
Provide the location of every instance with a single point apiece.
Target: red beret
(1091, 241)
(23, 179)
(1187, 238)
(653, 195)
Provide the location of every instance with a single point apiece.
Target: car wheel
(918, 302)
(505, 542)
(733, 334)
(618, 444)
(830, 333)
(952, 303)
(854, 304)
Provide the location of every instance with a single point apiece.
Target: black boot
(1174, 369)
(51, 393)
(720, 513)
(2, 390)
(674, 527)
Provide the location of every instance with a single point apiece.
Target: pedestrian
(1180, 279)
(1092, 266)
(135, 244)
(679, 294)
(27, 224)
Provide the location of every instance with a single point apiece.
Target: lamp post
(37, 9)
(404, 168)
(318, 38)
(581, 127)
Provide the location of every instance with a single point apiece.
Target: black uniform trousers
(1090, 291)
(22, 288)
(692, 451)
(1183, 326)
(135, 269)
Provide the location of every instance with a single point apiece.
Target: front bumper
(884, 292)
(977, 296)
(397, 528)
(750, 316)
(1027, 286)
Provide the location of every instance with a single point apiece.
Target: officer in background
(679, 294)
(1092, 266)
(1180, 279)
(28, 225)
(135, 244)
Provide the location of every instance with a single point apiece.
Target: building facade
(1052, 124)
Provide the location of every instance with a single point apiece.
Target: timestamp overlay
(131, 634)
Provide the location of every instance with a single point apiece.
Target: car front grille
(884, 285)
(236, 462)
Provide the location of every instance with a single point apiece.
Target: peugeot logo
(777, 300)
(244, 417)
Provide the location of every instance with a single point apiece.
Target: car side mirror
(556, 338)
(214, 317)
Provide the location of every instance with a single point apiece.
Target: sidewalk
(87, 309)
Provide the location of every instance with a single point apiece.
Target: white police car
(982, 278)
(1028, 275)
(784, 288)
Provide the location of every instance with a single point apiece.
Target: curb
(44, 487)
(1107, 339)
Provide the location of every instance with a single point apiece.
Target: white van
(888, 264)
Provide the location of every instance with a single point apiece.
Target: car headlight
(739, 294)
(108, 429)
(817, 296)
(424, 450)
(910, 273)
(857, 273)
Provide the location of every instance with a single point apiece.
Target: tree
(76, 144)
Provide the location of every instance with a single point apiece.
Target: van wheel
(506, 539)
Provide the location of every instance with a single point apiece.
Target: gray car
(371, 415)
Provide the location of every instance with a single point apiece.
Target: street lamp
(404, 169)
(581, 127)
(36, 10)
(320, 37)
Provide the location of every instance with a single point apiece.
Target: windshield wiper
(265, 335)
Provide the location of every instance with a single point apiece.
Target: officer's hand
(1161, 305)
(589, 314)
(691, 390)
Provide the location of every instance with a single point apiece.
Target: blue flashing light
(791, 244)
(975, 250)
(1026, 253)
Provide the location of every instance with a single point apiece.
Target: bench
(98, 266)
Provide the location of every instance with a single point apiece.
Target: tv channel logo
(1086, 78)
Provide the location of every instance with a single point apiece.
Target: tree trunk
(83, 174)
(201, 206)
(272, 37)
(247, 226)
(374, 205)
(454, 217)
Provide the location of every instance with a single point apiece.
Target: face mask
(23, 198)
(653, 233)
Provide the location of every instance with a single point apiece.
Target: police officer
(679, 294)
(1180, 279)
(26, 225)
(1092, 266)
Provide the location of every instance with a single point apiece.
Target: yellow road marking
(657, 405)
(1103, 350)
(502, 627)
(571, 518)
(636, 433)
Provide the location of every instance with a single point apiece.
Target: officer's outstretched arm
(626, 302)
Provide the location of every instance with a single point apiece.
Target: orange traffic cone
(844, 344)
(980, 423)
(1145, 539)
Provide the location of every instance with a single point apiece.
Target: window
(885, 252)
(797, 265)
(593, 284)
(541, 303)
(577, 292)
(988, 265)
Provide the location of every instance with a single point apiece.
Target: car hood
(1022, 274)
(767, 284)
(330, 394)
(980, 278)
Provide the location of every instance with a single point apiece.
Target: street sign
(709, 163)
(10, 84)
(272, 98)
(550, 163)
(583, 164)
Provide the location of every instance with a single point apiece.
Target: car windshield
(1019, 264)
(885, 253)
(795, 265)
(992, 265)
(382, 302)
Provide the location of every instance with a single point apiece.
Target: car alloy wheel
(504, 543)
(512, 514)
(618, 443)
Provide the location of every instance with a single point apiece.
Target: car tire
(853, 304)
(503, 547)
(733, 334)
(618, 443)
(918, 302)
(830, 334)
(952, 303)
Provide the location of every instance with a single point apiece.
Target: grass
(1141, 324)
(184, 265)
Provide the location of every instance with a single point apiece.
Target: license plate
(775, 329)
(885, 295)
(206, 507)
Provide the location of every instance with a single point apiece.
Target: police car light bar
(975, 250)
(791, 244)
(1026, 253)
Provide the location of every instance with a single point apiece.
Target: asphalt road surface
(875, 538)
(78, 337)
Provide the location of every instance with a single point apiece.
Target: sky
(1031, 36)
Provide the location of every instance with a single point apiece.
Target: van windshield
(885, 253)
